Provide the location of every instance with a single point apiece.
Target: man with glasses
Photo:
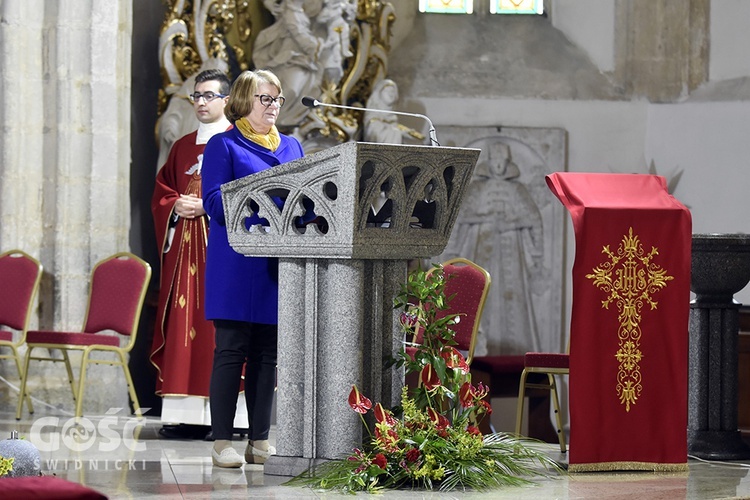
(183, 341)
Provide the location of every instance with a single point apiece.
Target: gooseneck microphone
(314, 103)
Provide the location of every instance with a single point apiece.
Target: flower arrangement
(432, 441)
(6, 465)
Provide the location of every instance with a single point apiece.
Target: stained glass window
(447, 6)
(517, 6)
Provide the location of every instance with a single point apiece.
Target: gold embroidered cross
(630, 278)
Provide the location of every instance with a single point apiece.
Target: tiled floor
(123, 458)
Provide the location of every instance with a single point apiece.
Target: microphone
(314, 103)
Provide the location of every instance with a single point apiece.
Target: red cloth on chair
(45, 487)
(629, 322)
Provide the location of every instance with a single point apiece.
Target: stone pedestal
(338, 277)
(720, 268)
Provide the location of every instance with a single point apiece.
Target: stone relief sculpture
(509, 225)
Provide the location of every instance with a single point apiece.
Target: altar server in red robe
(183, 342)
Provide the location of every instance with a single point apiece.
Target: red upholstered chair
(116, 294)
(468, 285)
(20, 274)
(551, 365)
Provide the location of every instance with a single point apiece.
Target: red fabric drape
(629, 322)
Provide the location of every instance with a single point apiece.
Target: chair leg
(131, 386)
(81, 382)
(558, 417)
(71, 379)
(17, 357)
(24, 377)
(521, 398)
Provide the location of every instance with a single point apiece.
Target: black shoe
(184, 431)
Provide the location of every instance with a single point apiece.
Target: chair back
(117, 291)
(466, 286)
(20, 274)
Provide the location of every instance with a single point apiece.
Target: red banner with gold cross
(629, 322)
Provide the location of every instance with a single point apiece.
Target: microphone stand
(314, 103)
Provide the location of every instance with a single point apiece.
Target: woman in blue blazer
(241, 293)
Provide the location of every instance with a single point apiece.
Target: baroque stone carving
(351, 56)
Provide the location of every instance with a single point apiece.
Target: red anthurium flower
(358, 402)
(473, 431)
(454, 359)
(429, 377)
(466, 395)
(439, 420)
(380, 461)
(383, 416)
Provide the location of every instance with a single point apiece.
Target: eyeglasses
(207, 96)
(266, 100)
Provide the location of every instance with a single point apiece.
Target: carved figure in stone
(289, 49)
(335, 18)
(384, 127)
(499, 227)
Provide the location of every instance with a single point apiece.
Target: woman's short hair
(244, 88)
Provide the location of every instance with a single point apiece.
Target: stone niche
(512, 225)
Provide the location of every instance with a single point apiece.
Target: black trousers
(237, 343)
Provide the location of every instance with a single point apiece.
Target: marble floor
(122, 457)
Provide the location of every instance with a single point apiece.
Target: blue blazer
(237, 287)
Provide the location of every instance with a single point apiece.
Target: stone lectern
(376, 206)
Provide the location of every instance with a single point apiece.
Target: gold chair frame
(551, 386)
(24, 325)
(87, 349)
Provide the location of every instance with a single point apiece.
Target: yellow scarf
(271, 140)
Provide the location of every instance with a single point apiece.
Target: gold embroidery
(629, 278)
(182, 301)
(193, 269)
(192, 334)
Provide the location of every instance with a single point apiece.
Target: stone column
(21, 125)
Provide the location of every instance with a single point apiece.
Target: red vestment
(183, 344)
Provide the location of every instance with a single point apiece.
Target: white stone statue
(334, 19)
(384, 127)
(290, 49)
